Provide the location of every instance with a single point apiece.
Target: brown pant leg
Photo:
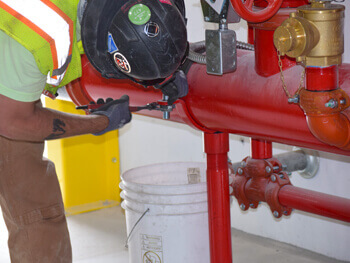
(31, 202)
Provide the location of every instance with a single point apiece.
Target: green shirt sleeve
(20, 77)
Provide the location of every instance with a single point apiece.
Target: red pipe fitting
(324, 105)
(259, 180)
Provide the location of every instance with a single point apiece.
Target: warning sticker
(194, 175)
(112, 47)
(151, 249)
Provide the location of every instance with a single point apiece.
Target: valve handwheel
(244, 9)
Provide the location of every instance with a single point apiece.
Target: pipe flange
(312, 163)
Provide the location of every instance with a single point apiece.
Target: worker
(38, 50)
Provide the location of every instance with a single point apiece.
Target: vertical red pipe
(261, 149)
(266, 59)
(250, 34)
(216, 146)
(322, 79)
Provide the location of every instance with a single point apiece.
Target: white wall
(146, 141)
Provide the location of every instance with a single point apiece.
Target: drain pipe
(216, 146)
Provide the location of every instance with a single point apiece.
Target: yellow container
(87, 166)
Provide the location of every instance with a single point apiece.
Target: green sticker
(139, 14)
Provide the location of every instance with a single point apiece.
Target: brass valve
(314, 34)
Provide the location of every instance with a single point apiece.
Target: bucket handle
(138, 221)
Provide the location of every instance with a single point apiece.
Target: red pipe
(266, 60)
(261, 149)
(314, 202)
(216, 146)
(242, 103)
(322, 79)
(286, 3)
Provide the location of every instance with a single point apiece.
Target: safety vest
(47, 29)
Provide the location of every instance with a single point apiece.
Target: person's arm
(29, 121)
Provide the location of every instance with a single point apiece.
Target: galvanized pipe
(291, 161)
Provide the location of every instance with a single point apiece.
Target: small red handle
(245, 10)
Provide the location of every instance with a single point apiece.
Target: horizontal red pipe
(316, 203)
(241, 102)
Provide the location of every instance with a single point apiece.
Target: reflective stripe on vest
(53, 25)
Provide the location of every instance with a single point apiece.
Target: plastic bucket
(166, 213)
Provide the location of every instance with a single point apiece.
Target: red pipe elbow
(333, 129)
(325, 118)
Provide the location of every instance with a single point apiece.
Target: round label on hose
(139, 14)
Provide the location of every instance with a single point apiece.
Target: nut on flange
(314, 35)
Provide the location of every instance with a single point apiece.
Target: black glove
(176, 87)
(117, 111)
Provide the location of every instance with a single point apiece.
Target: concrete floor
(99, 237)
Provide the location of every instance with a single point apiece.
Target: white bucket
(175, 227)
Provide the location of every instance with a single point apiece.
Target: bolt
(166, 115)
(342, 101)
(243, 164)
(276, 168)
(281, 176)
(273, 178)
(223, 21)
(251, 205)
(114, 160)
(242, 206)
(206, 19)
(294, 99)
(332, 103)
(276, 214)
(230, 179)
(268, 169)
(240, 170)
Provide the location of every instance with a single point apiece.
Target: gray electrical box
(221, 53)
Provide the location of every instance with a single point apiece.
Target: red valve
(245, 10)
